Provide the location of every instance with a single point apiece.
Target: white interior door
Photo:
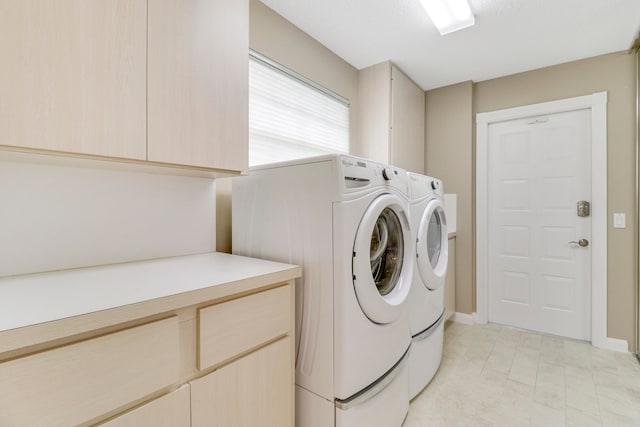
(538, 169)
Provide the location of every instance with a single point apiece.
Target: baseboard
(477, 319)
(614, 344)
(466, 319)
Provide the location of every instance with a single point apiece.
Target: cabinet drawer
(230, 328)
(75, 383)
(171, 410)
(255, 390)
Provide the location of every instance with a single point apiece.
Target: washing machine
(426, 298)
(345, 221)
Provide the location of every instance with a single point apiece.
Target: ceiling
(509, 36)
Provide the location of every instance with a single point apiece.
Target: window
(291, 117)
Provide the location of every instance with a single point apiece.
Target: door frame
(597, 103)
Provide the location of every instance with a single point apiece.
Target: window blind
(291, 117)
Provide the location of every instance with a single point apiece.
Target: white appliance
(345, 221)
(426, 299)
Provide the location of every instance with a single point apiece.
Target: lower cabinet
(227, 362)
(75, 383)
(170, 410)
(450, 281)
(255, 390)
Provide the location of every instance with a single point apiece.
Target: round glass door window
(434, 238)
(387, 251)
(433, 246)
(382, 261)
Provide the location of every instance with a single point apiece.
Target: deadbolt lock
(584, 208)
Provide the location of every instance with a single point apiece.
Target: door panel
(538, 170)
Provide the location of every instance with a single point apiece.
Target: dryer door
(432, 246)
(382, 259)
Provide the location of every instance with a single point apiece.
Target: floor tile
(582, 399)
(543, 416)
(524, 368)
(577, 418)
(496, 376)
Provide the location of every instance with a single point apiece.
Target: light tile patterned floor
(496, 376)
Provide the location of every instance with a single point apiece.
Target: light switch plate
(619, 220)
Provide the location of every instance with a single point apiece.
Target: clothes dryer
(426, 299)
(345, 221)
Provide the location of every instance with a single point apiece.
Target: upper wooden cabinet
(160, 81)
(73, 76)
(391, 117)
(198, 83)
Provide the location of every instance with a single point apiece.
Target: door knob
(582, 242)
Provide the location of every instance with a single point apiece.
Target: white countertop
(45, 297)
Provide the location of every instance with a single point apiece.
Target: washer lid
(432, 245)
(382, 257)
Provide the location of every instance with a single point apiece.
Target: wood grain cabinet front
(76, 383)
(198, 83)
(154, 81)
(255, 390)
(170, 410)
(242, 324)
(73, 76)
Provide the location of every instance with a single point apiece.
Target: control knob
(387, 174)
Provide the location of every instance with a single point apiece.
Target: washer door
(382, 255)
(432, 243)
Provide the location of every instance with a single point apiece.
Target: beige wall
(448, 156)
(613, 73)
(276, 38)
(450, 142)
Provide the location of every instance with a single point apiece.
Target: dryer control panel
(360, 174)
(423, 185)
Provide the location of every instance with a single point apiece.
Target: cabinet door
(73, 76)
(198, 83)
(374, 99)
(171, 410)
(256, 390)
(407, 123)
(450, 281)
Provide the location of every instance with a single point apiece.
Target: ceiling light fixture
(449, 15)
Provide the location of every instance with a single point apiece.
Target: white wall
(59, 217)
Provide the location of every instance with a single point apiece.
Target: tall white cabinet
(391, 119)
